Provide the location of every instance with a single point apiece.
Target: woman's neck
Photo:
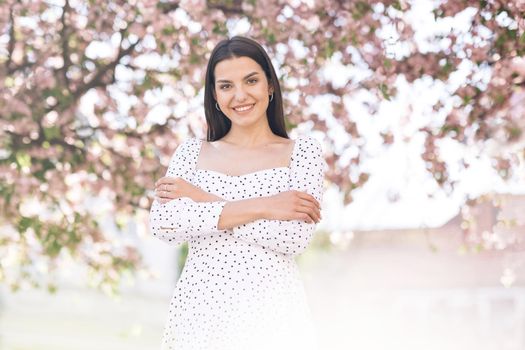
(248, 138)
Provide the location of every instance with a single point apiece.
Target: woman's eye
(227, 86)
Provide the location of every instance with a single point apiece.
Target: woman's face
(242, 90)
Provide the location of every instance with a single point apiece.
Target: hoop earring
(217, 107)
(271, 97)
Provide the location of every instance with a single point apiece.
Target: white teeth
(241, 109)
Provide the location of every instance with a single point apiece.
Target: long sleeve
(291, 237)
(181, 219)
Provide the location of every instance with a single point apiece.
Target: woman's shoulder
(307, 142)
(187, 147)
(190, 143)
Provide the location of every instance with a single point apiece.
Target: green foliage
(384, 91)
(269, 35)
(514, 133)
(52, 132)
(219, 28)
(397, 5)
(182, 256)
(360, 9)
(6, 192)
(23, 160)
(169, 30)
(63, 97)
(329, 48)
(52, 236)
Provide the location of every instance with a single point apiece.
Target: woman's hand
(292, 205)
(168, 188)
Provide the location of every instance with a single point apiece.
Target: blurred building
(457, 286)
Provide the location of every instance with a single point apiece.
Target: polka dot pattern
(291, 237)
(179, 220)
(240, 288)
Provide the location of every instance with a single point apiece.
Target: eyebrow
(246, 77)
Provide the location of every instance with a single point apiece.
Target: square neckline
(261, 171)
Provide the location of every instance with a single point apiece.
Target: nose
(240, 94)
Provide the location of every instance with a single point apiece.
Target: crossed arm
(278, 222)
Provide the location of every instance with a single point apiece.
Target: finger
(303, 217)
(159, 192)
(163, 194)
(316, 212)
(317, 204)
(166, 188)
(165, 180)
(172, 180)
(310, 198)
(168, 195)
(307, 218)
(312, 212)
(159, 181)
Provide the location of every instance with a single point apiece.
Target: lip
(246, 105)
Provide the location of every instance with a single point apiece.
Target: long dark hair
(238, 46)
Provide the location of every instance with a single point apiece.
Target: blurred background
(419, 106)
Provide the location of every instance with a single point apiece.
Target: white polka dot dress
(240, 288)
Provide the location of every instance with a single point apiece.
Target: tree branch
(97, 80)
(11, 67)
(64, 36)
(11, 43)
(228, 7)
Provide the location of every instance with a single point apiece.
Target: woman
(247, 201)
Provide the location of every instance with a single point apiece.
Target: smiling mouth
(244, 108)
